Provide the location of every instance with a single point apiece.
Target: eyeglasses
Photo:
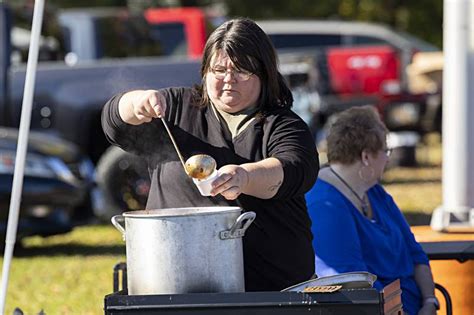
(220, 73)
(388, 151)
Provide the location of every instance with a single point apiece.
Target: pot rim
(180, 212)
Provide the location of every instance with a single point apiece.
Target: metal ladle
(198, 166)
(174, 143)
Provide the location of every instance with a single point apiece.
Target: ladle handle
(174, 143)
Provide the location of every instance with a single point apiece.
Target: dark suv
(57, 186)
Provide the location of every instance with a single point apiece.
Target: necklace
(363, 203)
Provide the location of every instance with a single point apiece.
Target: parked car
(57, 187)
(425, 76)
(363, 63)
(323, 33)
(89, 59)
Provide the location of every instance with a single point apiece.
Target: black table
(342, 302)
(354, 301)
(445, 250)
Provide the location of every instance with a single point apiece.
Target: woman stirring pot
(265, 153)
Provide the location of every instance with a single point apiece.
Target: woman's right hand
(141, 106)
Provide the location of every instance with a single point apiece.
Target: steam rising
(155, 145)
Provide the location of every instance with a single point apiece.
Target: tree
(422, 18)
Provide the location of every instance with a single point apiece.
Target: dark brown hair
(250, 49)
(355, 129)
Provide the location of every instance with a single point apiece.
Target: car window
(126, 38)
(304, 40)
(171, 37)
(367, 40)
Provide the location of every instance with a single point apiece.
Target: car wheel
(124, 182)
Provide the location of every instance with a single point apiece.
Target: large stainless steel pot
(184, 250)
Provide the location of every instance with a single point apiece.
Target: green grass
(71, 273)
(65, 274)
(418, 190)
(421, 195)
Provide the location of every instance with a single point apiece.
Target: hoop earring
(366, 177)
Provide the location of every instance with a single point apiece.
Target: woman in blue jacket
(356, 224)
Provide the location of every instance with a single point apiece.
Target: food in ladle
(200, 166)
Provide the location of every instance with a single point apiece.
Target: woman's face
(231, 93)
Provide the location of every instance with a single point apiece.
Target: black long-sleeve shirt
(277, 245)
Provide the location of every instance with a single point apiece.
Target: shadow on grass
(69, 250)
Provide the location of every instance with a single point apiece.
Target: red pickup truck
(362, 63)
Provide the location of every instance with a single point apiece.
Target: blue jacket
(345, 240)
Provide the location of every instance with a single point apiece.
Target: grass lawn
(417, 191)
(71, 273)
(65, 274)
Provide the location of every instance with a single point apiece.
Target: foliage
(409, 16)
(422, 18)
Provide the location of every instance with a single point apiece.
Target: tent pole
(27, 105)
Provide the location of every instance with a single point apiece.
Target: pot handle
(238, 228)
(116, 219)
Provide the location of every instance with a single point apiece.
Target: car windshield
(304, 40)
(130, 37)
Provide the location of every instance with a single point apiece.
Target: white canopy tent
(27, 104)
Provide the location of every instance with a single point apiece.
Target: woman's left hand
(427, 309)
(231, 182)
